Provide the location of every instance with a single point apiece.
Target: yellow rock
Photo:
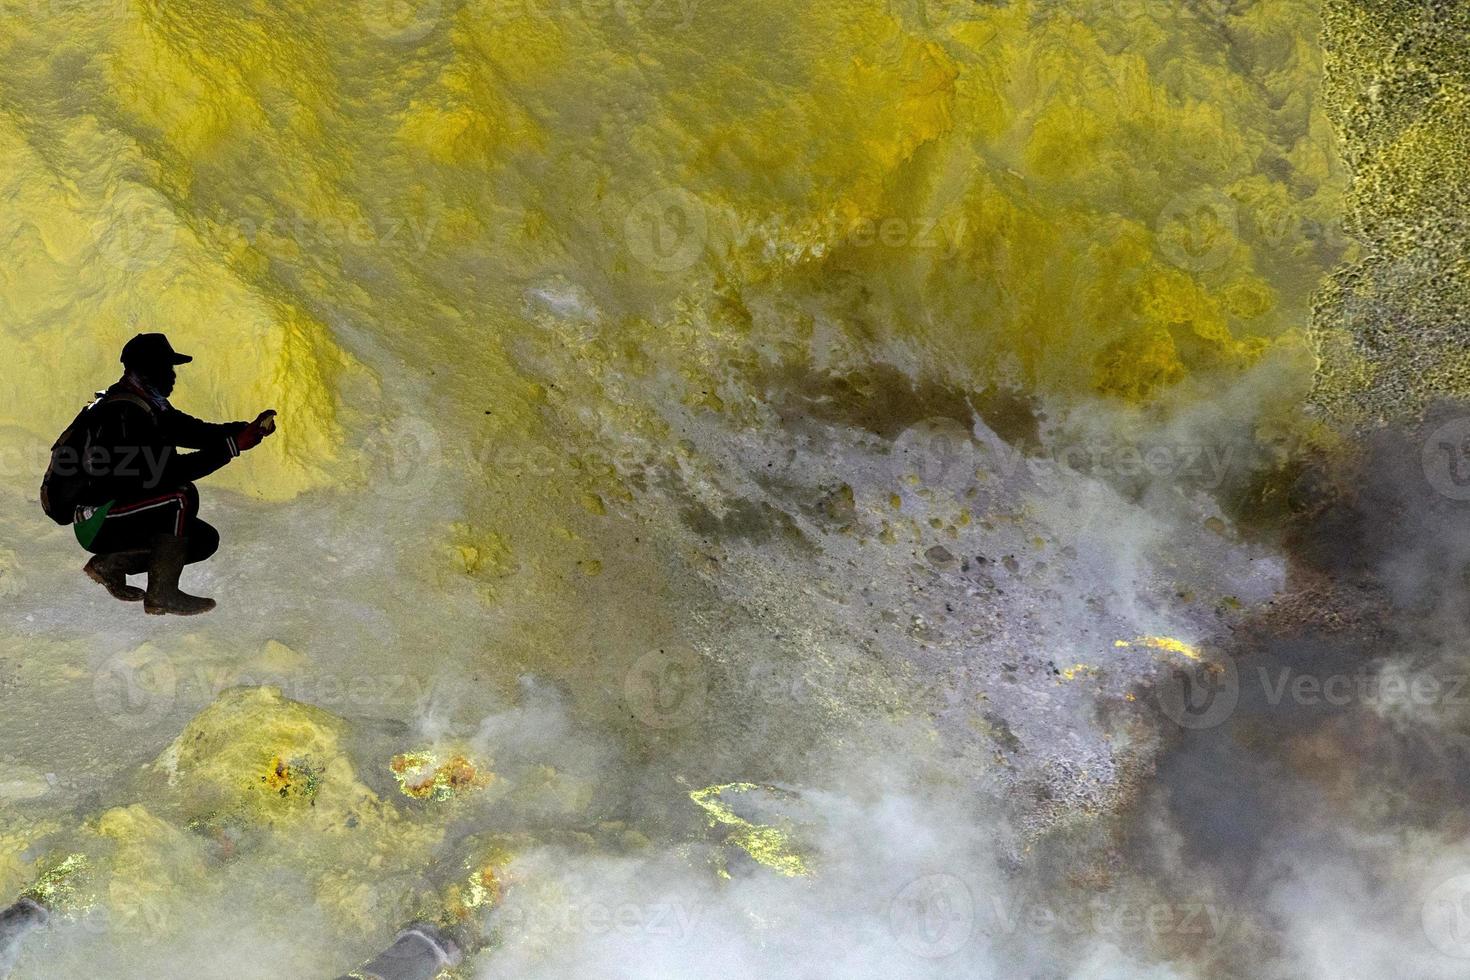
(256, 749)
(481, 553)
(150, 864)
(423, 775)
(277, 658)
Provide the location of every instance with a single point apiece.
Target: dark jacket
(132, 447)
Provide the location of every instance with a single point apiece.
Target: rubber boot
(111, 571)
(420, 953)
(167, 564)
(16, 922)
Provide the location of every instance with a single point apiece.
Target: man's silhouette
(140, 510)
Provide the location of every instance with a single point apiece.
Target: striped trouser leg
(173, 507)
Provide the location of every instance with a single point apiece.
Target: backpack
(67, 478)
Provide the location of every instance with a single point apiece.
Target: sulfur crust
(1123, 206)
(1388, 328)
(1003, 129)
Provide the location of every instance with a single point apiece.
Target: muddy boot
(112, 571)
(421, 952)
(16, 922)
(167, 564)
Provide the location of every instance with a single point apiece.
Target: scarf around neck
(135, 383)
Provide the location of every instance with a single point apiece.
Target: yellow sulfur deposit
(61, 887)
(423, 776)
(149, 862)
(1165, 643)
(1018, 191)
(256, 777)
(1388, 328)
(566, 308)
(253, 746)
(768, 846)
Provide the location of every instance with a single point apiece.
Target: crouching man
(131, 499)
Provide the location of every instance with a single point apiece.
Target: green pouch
(88, 528)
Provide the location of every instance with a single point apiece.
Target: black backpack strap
(128, 396)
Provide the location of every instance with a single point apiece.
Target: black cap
(150, 349)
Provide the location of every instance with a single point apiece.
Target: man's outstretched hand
(252, 434)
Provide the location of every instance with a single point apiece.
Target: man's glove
(250, 436)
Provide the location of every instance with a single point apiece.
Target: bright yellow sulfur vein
(769, 846)
(1166, 643)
